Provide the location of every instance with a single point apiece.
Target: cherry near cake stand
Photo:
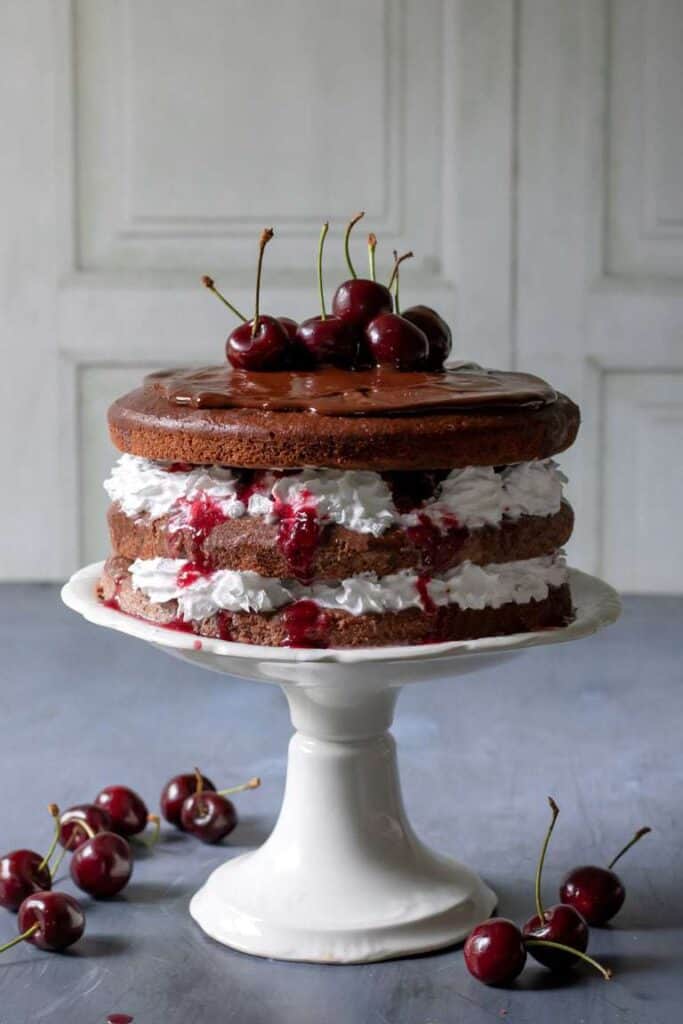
(343, 877)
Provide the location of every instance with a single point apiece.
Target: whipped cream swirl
(467, 585)
(362, 501)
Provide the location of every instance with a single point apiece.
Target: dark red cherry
(494, 951)
(267, 349)
(127, 810)
(176, 791)
(359, 300)
(289, 326)
(330, 341)
(437, 331)
(22, 872)
(71, 832)
(394, 341)
(209, 816)
(561, 923)
(50, 920)
(102, 865)
(597, 893)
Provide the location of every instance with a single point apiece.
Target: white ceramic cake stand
(343, 878)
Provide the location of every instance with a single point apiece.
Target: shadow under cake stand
(343, 878)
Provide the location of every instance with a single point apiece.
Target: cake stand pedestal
(343, 878)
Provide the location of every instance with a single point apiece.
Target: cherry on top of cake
(366, 357)
(365, 328)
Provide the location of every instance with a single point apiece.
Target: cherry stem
(153, 838)
(20, 938)
(54, 868)
(539, 867)
(251, 784)
(605, 971)
(321, 243)
(266, 236)
(639, 835)
(347, 233)
(372, 245)
(200, 780)
(54, 811)
(398, 260)
(208, 282)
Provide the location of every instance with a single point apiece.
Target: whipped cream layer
(472, 497)
(467, 585)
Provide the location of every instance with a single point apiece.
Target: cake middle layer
(333, 524)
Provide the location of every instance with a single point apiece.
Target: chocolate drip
(334, 392)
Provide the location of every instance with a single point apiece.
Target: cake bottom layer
(306, 624)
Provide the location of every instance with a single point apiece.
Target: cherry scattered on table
(209, 815)
(49, 920)
(72, 833)
(22, 872)
(127, 810)
(102, 865)
(560, 923)
(597, 892)
(494, 952)
(176, 792)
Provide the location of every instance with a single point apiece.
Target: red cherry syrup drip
(306, 625)
(224, 624)
(422, 585)
(299, 535)
(200, 517)
(437, 544)
(191, 572)
(411, 489)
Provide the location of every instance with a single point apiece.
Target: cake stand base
(343, 878)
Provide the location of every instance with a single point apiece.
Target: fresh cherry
(209, 815)
(289, 326)
(262, 343)
(596, 892)
(327, 339)
(22, 872)
(49, 920)
(561, 924)
(395, 341)
(71, 832)
(127, 810)
(437, 331)
(176, 792)
(494, 951)
(359, 300)
(102, 865)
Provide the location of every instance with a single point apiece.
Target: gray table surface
(596, 723)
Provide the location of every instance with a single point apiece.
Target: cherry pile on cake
(332, 484)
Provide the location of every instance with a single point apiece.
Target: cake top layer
(329, 391)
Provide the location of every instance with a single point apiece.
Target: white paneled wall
(529, 151)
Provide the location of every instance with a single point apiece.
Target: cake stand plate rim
(597, 604)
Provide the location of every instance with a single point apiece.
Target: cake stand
(343, 878)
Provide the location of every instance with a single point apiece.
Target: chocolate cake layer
(332, 628)
(251, 544)
(146, 423)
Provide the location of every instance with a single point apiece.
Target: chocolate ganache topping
(335, 392)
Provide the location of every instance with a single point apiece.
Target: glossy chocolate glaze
(333, 392)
